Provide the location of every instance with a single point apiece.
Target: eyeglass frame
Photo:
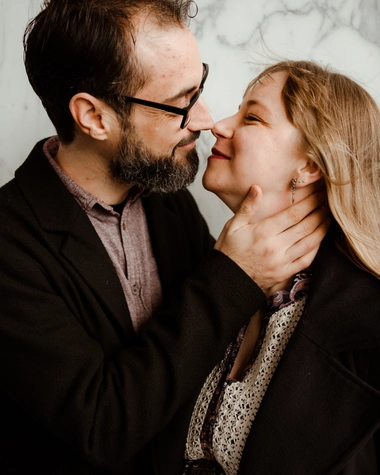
(175, 110)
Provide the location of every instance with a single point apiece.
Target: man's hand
(274, 249)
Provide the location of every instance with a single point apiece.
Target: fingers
(273, 250)
(247, 209)
(303, 262)
(286, 260)
(301, 254)
(294, 214)
(305, 228)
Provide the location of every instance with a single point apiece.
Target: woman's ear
(93, 116)
(308, 174)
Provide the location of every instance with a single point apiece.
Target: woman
(298, 392)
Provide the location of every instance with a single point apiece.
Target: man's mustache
(189, 139)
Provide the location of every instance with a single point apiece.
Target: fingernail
(253, 192)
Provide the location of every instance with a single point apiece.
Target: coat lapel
(70, 233)
(84, 250)
(169, 242)
(317, 413)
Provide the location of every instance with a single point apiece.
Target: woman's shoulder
(343, 303)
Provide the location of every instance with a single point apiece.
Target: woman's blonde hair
(340, 125)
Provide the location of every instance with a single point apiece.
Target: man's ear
(93, 116)
(308, 174)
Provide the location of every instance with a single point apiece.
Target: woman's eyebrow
(254, 102)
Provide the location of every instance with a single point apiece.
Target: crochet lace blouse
(226, 408)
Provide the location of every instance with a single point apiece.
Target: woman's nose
(224, 128)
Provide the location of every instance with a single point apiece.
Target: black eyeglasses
(175, 110)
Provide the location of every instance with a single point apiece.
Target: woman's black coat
(321, 412)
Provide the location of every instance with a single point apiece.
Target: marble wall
(236, 37)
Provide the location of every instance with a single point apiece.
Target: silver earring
(294, 181)
(301, 181)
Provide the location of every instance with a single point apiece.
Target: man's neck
(89, 169)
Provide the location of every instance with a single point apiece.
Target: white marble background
(236, 38)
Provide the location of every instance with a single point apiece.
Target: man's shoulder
(36, 191)
(36, 154)
(343, 302)
(11, 188)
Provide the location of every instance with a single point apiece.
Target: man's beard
(134, 164)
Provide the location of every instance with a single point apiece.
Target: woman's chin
(231, 202)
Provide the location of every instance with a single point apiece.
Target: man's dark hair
(88, 46)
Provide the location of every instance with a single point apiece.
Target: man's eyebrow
(183, 93)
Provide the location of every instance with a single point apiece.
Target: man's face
(135, 164)
(154, 152)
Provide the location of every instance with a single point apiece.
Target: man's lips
(218, 155)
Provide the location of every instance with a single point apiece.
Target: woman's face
(256, 146)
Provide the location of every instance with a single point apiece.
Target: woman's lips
(218, 155)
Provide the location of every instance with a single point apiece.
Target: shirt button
(135, 290)
(123, 226)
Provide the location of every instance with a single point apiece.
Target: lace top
(226, 408)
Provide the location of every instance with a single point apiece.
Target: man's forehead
(169, 54)
(170, 43)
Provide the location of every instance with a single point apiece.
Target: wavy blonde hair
(340, 126)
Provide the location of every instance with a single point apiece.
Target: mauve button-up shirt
(127, 241)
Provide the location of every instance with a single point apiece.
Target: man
(96, 239)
